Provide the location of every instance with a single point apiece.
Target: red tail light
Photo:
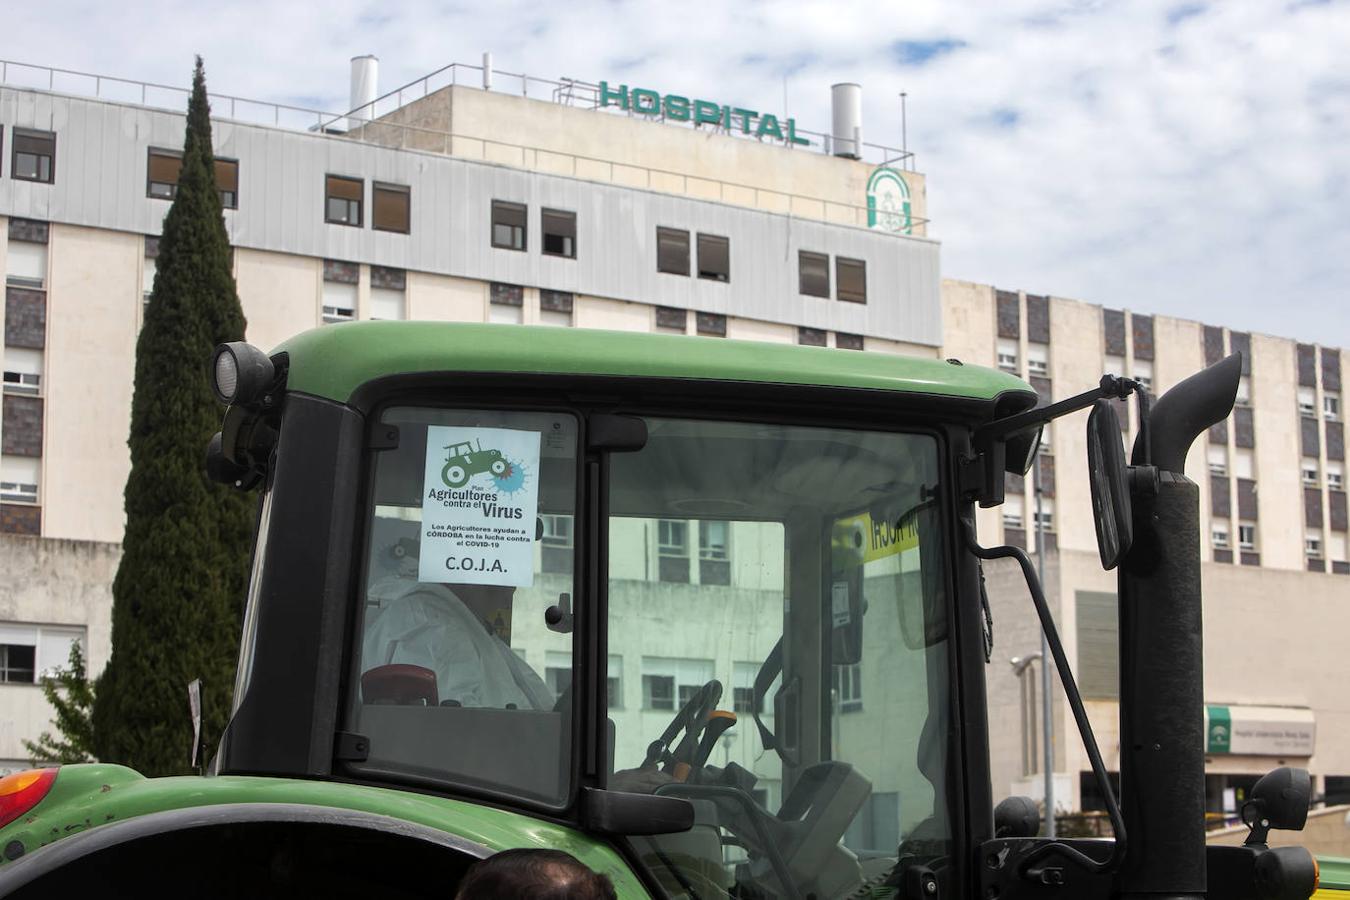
(22, 791)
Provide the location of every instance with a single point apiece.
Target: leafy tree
(71, 693)
(178, 593)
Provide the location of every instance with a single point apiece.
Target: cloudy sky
(1179, 157)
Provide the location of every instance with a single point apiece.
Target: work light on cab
(22, 791)
(240, 372)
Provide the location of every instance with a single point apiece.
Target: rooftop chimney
(365, 76)
(846, 105)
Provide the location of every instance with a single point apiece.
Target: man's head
(539, 874)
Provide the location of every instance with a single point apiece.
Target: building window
(18, 492)
(1312, 546)
(342, 200)
(334, 313)
(714, 560)
(506, 303)
(339, 291)
(558, 672)
(1334, 480)
(848, 687)
(711, 324)
(1037, 366)
(813, 274)
(714, 257)
(669, 319)
(812, 337)
(614, 683)
(29, 653)
(669, 683)
(26, 265)
(508, 225)
(1012, 511)
(658, 692)
(1007, 361)
(18, 663)
(851, 277)
(743, 687)
(388, 289)
(672, 251)
(1331, 407)
(672, 550)
(1244, 392)
(848, 341)
(34, 156)
(391, 207)
(22, 382)
(1310, 473)
(227, 182)
(1246, 536)
(1217, 455)
(162, 171)
(1307, 402)
(19, 476)
(1218, 534)
(23, 368)
(555, 308)
(556, 544)
(560, 233)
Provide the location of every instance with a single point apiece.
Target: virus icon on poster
(512, 479)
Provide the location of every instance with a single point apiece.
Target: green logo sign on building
(1219, 730)
(888, 206)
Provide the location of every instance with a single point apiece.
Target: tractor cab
(701, 614)
(717, 607)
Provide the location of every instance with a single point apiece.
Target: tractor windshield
(778, 654)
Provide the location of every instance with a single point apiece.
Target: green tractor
(730, 643)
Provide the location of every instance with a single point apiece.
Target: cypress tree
(178, 594)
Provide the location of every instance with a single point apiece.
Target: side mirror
(1278, 800)
(1110, 485)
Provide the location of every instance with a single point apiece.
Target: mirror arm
(1110, 386)
(1075, 703)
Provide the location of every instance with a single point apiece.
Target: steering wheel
(691, 719)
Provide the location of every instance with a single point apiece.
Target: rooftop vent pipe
(846, 105)
(365, 77)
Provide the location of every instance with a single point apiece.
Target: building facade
(472, 204)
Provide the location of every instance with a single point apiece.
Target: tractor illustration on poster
(462, 462)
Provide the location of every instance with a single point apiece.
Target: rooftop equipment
(365, 77)
(846, 107)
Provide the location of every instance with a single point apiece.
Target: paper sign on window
(479, 506)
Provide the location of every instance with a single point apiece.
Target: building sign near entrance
(888, 202)
(675, 108)
(1259, 730)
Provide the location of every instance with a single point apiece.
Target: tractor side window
(460, 676)
(775, 602)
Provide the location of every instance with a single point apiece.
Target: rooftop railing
(373, 125)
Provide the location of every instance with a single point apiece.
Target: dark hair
(539, 874)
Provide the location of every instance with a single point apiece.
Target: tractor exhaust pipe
(1162, 761)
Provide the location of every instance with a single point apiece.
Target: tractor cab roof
(335, 360)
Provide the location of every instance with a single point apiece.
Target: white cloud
(1125, 154)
